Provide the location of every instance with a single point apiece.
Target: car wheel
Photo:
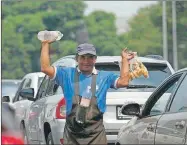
(50, 139)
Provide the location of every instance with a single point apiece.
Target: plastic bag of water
(49, 35)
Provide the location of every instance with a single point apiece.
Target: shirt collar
(93, 72)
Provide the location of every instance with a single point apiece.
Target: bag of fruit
(137, 68)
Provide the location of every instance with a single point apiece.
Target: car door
(153, 110)
(172, 126)
(47, 104)
(35, 111)
(20, 113)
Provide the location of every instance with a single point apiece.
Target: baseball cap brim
(86, 52)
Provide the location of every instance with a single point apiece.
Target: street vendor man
(85, 91)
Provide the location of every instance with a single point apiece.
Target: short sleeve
(60, 73)
(113, 78)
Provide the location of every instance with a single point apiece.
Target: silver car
(163, 119)
(31, 80)
(46, 116)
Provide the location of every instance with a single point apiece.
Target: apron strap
(76, 83)
(93, 85)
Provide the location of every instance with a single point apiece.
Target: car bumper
(111, 138)
(112, 128)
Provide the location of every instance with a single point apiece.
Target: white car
(45, 119)
(31, 80)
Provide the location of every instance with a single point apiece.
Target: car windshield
(40, 81)
(9, 88)
(157, 74)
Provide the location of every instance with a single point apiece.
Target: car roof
(11, 80)
(103, 59)
(118, 58)
(39, 74)
(181, 70)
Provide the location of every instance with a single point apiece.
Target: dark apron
(92, 131)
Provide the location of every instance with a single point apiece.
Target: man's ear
(95, 59)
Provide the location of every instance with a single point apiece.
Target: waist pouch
(81, 114)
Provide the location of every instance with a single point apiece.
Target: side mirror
(27, 94)
(6, 99)
(132, 109)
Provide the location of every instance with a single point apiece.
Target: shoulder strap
(93, 85)
(76, 83)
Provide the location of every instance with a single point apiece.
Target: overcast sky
(120, 8)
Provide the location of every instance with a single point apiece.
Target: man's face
(86, 62)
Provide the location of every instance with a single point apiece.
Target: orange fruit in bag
(137, 69)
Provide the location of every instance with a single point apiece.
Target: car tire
(50, 139)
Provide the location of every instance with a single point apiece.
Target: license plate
(119, 115)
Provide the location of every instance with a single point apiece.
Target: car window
(53, 88)
(58, 90)
(179, 102)
(50, 87)
(40, 79)
(157, 74)
(160, 100)
(26, 84)
(43, 88)
(16, 98)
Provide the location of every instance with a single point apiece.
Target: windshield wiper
(139, 86)
(163, 70)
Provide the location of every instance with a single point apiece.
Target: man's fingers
(54, 39)
(44, 41)
(50, 41)
(125, 49)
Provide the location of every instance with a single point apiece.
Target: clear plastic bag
(49, 35)
(137, 68)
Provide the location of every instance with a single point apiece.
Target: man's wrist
(124, 59)
(45, 44)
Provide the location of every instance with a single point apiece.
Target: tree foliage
(22, 20)
(145, 34)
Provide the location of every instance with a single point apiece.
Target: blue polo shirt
(64, 76)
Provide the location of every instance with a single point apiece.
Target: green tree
(102, 33)
(145, 34)
(22, 20)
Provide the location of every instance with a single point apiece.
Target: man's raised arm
(45, 60)
(123, 81)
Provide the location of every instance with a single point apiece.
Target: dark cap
(86, 49)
